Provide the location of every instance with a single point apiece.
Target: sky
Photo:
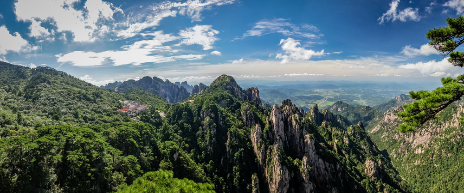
(197, 40)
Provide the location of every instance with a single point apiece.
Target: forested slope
(429, 159)
(222, 139)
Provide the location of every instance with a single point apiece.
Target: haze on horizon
(198, 40)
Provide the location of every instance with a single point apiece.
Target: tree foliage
(163, 181)
(428, 104)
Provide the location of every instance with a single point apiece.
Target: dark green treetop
(428, 104)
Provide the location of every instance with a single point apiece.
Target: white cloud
(458, 5)
(191, 8)
(387, 74)
(156, 43)
(237, 61)
(337, 52)
(438, 74)
(13, 43)
(216, 53)
(403, 15)
(136, 26)
(272, 69)
(85, 24)
(189, 57)
(90, 80)
(431, 67)
(139, 52)
(3, 59)
(425, 49)
(303, 74)
(32, 66)
(282, 26)
(293, 52)
(430, 7)
(38, 31)
(63, 37)
(199, 34)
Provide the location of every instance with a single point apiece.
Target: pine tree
(428, 104)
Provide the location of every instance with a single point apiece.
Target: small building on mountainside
(132, 107)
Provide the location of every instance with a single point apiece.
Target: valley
(326, 94)
(222, 138)
(231, 96)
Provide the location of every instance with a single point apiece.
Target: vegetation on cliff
(221, 139)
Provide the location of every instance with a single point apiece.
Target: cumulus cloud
(425, 49)
(191, 8)
(433, 68)
(294, 52)
(13, 43)
(139, 52)
(37, 30)
(216, 53)
(458, 5)
(200, 34)
(90, 80)
(282, 26)
(393, 14)
(85, 24)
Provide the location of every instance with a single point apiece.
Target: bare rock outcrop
(371, 169)
(258, 145)
(277, 174)
(253, 95)
(248, 117)
(288, 132)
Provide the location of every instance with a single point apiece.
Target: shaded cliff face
(247, 147)
(427, 158)
(296, 155)
(167, 90)
(197, 88)
(185, 85)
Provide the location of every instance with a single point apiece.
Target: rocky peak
(402, 98)
(228, 83)
(167, 90)
(314, 114)
(253, 95)
(338, 106)
(198, 88)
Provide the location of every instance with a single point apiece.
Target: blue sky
(197, 40)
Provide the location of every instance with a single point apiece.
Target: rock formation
(167, 90)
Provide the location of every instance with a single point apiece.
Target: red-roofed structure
(124, 110)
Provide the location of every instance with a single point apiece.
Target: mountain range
(61, 134)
